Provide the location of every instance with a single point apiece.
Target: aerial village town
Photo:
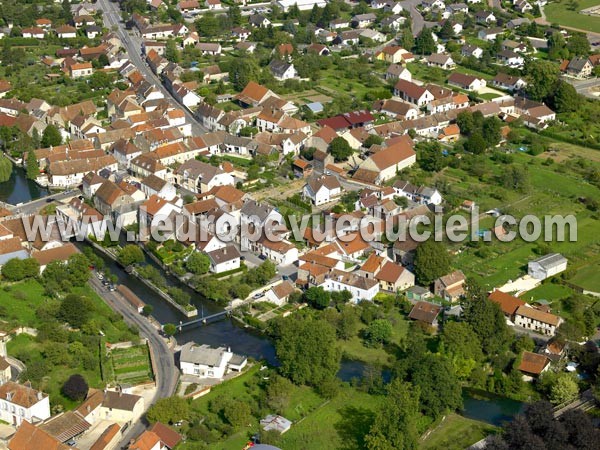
(124, 124)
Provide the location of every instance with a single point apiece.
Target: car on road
(285, 277)
(263, 257)
(257, 296)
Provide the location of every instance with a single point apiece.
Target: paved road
(133, 45)
(34, 206)
(584, 87)
(167, 374)
(415, 16)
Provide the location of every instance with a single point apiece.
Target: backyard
(455, 432)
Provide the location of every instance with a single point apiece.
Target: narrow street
(164, 362)
(133, 45)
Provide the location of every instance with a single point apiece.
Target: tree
(515, 178)
(5, 169)
(395, 426)
(169, 329)
(51, 136)
(378, 332)
(237, 413)
(32, 167)
(465, 122)
(557, 47)
(565, 98)
(130, 254)
(439, 389)
(340, 149)
(197, 263)
(541, 77)
(317, 297)
(407, 41)
(76, 310)
(307, 350)
(491, 131)
(564, 388)
(463, 347)
(431, 261)
(234, 13)
(78, 270)
(579, 45)
(75, 388)
(487, 321)
(171, 51)
(372, 140)
(169, 410)
(19, 269)
(242, 71)
(425, 44)
(446, 32)
(476, 144)
(208, 25)
(430, 156)
(147, 310)
(278, 393)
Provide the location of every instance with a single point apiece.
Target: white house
(199, 177)
(423, 194)
(535, 320)
(283, 70)
(547, 266)
(280, 293)
(361, 288)
(323, 189)
(440, 60)
(19, 402)
(413, 93)
(468, 50)
(208, 362)
(224, 259)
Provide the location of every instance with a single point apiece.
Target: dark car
(263, 257)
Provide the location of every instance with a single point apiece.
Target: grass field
(355, 350)
(455, 432)
(131, 365)
(338, 424)
(559, 12)
(587, 278)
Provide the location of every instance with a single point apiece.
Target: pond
(489, 408)
(18, 189)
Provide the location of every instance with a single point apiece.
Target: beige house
(450, 287)
(393, 278)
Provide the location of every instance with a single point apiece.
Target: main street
(111, 15)
(166, 373)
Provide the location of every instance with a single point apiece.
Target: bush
(75, 388)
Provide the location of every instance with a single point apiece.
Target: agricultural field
(131, 365)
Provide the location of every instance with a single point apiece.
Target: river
(478, 405)
(18, 189)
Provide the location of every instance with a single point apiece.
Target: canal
(18, 189)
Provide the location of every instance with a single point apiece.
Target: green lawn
(355, 350)
(56, 374)
(338, 424)
(18, 303)
(588, 278)
(548, 291)
(455, 432)
(559, 12)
